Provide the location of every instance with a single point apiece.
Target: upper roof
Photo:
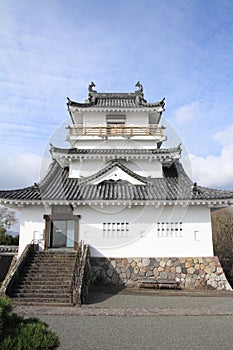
(175, 186)
(120, 151)
(116, 100)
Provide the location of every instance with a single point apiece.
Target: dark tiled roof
(120, 100)
(67, 151)
(28, 193)
(175, 185)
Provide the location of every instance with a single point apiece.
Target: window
(169, 229)
(62, 234)
(115, 120)
(115, 125)
(197, 236)
(115, 229)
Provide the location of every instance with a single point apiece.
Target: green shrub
(18, 333)
(31, 334)
(5, 305)
(5, 309)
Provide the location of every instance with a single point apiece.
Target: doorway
(61, 231)
(62, 234)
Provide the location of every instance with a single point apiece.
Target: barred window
(115, 229)
(169, 229)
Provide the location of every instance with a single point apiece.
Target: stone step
(24, 290)
(40, 279)
(49, 271)
(47, 278)
(43, 287)
(44, 301)
(37, 279)
(58, 271)
(20, 301)
(51, 294)
(53, 256)
(52, 263)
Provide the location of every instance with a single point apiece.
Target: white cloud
(187, 112)
(225, 137)
(212, 170)
(20, 170)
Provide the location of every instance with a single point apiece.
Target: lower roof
(57, 186)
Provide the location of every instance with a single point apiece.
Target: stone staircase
(46, 278)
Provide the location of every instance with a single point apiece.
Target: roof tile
(175, 185)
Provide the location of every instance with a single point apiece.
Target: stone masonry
(191, 273)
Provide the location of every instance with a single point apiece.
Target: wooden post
(46, 238)
(76, 233)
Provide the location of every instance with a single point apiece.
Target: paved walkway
(142, 303)
(138, 320)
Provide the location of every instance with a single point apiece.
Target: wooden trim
(76, 233)
(50, 218)
(47, 231)
(61, 216)
(152, 130)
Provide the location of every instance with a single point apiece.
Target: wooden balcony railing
(125, 131)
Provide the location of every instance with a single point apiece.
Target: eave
(64, 157)
(133, 203)
(116, 109)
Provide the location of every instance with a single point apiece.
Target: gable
(116, 174)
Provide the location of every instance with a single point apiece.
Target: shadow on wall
(5, 262)
(108, 279)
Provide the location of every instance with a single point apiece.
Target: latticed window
(115, 229)
(169, 229)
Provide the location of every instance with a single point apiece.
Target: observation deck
(116, 131)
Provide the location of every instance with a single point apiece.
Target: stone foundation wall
(191, 273)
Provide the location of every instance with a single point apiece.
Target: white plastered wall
(85, 168)
(88, 167)
(131, 119)
(143, 240)
(145, 167)
(135, 142)
(32, 226)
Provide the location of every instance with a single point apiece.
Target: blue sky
(178, 49)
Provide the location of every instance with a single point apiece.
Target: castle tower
(120, 191)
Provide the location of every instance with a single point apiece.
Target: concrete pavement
(143, 319)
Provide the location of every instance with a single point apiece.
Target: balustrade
(124, 131)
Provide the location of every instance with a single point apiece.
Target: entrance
(61, 231)
(62, 234)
